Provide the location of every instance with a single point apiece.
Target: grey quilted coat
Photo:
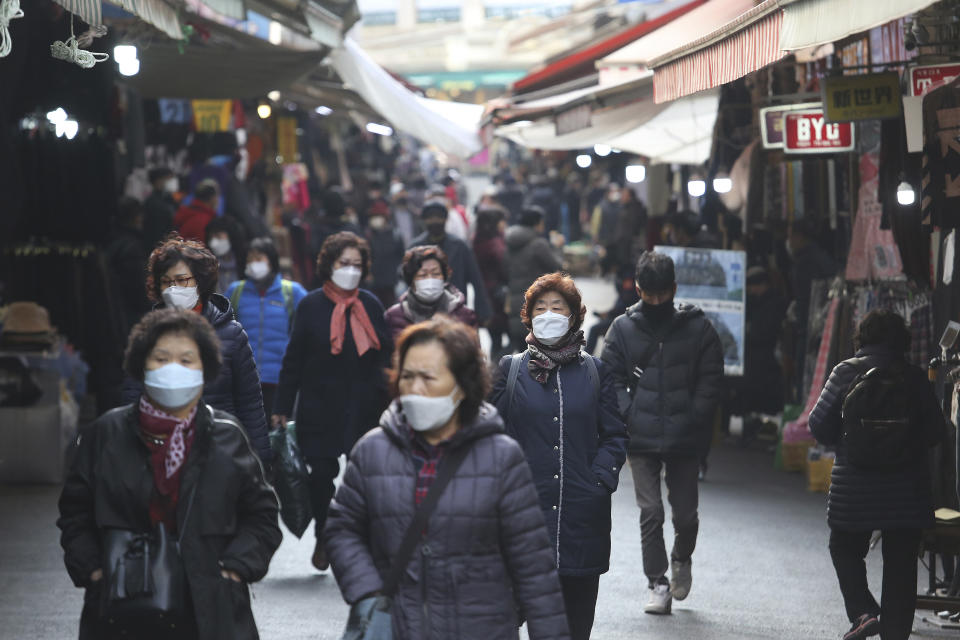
(485, 560)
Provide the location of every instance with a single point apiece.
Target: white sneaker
(660, 602)
(681, 579)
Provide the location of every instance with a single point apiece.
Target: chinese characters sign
(925, 79)
(210, 116)
(872, 96)
(808, 131)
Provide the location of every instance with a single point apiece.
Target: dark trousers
(269, 391)
(899, 591)
(580, 600)
(323, 471)
(682, 493)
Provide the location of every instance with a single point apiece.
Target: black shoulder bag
(145, 584)
(370, 618)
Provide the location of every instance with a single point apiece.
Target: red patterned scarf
(166, 458)
(544, 359)
(364, 334)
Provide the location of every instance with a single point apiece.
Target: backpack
(517, 359)
(286, 290)
(879, 419)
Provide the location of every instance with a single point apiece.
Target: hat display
(27, 324)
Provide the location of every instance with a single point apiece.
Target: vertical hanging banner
(210, 116)
(287, 139)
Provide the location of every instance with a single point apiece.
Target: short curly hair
(564, 285)
(414, 258)
(464, 358)
(203, 264)
(156, 324)
(334, 246)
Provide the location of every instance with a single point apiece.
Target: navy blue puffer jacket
(867, 499)
(237, 389)
(485, 555)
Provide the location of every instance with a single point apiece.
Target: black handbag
(145, 583)
(370, 618)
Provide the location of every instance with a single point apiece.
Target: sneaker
(865, 626)
(681, 578)
(660, 601)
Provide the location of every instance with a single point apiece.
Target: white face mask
(429, 289)
(257, 270)
(378, 222)
(549, 327)
(347, 278)
(173, 386)
(181, 297)
(172, 185)
(219, 246)
(424, 413)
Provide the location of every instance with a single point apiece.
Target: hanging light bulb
(636, 173)
(264, 110)
(56, 116)
(722, 185)
(584, 160)
(696, 188)
(906, 195)
(601, 150)
(129, 67)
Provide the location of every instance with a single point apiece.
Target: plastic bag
(291, 480)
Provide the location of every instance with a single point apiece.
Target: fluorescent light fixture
(906, 195)
(274, 95)
(521, 124)
(722, 185)
(601, 150)
(124, 52)
(584, 160)
(264, 110)
(696, 188)
(323, 111)
(59, 115)
(636, 173)
(129, 67)
(617, 151)
(379, 129)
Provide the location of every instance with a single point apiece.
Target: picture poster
(715, 281)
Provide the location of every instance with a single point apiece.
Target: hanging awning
(809, 23)
(748, 43)
(451, 127)
(155, 12)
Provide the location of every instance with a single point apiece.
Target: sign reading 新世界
(808, 131)
(870, 96)
(926, 78)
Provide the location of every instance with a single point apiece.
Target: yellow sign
(871, 96)
(210, 116)
(287, 139)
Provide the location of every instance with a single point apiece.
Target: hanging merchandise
(70, 51)
(9, 10)
(211, 116)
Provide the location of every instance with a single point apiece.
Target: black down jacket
(672, 405)
(485, 557)
(868, 500)
(232, 524)
(529, 256)
(237, 389)
(576, 443)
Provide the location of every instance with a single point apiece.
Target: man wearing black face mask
(463, 264)
(667, 366)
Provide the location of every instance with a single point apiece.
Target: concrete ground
(761, 570)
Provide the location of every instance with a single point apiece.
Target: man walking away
(667, 364)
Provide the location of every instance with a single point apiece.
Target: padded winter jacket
(576, 443)
(868, 499)
(529, 256)
(237, 389)
(669, 409)
(452, 303)
(267, 322)
(485, 558)
(463, 270)
(232, 523)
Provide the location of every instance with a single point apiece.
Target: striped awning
(747, 44)
(156, 12)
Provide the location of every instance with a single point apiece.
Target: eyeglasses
(180, 281)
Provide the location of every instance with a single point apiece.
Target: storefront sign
(925, 79)
(287, 139)
(771, 123)
(210, 116)
(808, 132)
(573, 120)
(870, 96)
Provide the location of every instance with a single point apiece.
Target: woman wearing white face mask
(484, 554)
(265, 303)
(561, 406)
(169, 460)
(182, 274)
(335, 362)
(225, 240)
(427, 275)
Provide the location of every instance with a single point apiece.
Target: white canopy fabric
(451, 127)
(808, 23)
(156, 12)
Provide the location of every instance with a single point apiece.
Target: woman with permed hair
(182, 274)
(336, 363)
